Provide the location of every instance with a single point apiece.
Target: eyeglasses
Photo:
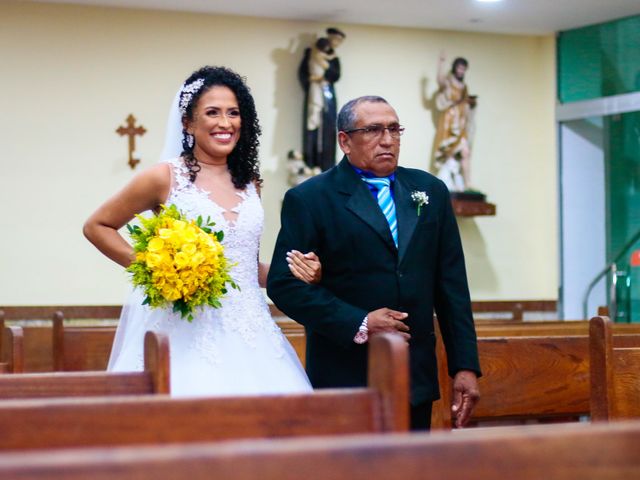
(376, 131)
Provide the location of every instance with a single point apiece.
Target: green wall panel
(599, 60)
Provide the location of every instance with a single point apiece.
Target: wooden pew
(545, 328)
(533, 377)
(615, 372)
(4, 367)
(61, 347)
(58, 423)
(36, 347)
(524, 378)
(545, 375)
(57, 348)
(571, 452)
(154, 379)
(80, 348)
(12, 350)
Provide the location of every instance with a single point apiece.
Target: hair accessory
(186, 94)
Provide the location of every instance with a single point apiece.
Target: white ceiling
(506, 16)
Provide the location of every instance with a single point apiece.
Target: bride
(238, 348)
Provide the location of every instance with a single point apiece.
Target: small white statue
(450, 172)
(299, 171)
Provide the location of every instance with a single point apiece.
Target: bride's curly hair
(243, 163)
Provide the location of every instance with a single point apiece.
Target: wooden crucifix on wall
(131, 131)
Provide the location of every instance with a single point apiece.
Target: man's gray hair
(347, 116)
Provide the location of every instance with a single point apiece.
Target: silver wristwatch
(362, 335)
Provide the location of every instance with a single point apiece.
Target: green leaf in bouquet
(220, 235)
(180, 307)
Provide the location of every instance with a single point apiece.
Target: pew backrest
(524, 378)
(154, 379)
(70, 348)
(546, 328)
(56, 423)
(615, 372)
(540, 370)
(12, 350)
(80, 348)
(37, 349)
(3, 365)
(529, 377)
(568, 452)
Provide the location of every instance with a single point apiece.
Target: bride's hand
(305, 267)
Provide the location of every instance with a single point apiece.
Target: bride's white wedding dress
(234, 350)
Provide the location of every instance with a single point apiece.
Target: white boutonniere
(420, 199)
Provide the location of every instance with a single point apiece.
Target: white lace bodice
(241, 237)
(243, 311)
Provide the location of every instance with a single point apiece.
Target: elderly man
(391, 254)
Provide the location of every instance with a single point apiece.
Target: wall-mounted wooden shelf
(468, 208)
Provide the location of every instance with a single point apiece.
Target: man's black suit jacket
(335, 215)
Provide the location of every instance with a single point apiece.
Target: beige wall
(70, 76)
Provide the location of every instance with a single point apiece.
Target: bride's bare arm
(146, 191)
(263, 271)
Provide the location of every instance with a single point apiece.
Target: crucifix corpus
(131, 131)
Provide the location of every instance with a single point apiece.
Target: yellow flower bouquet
(179, 262)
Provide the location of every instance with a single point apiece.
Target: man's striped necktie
(385, 200)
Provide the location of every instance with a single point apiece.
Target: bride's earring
(190, 140)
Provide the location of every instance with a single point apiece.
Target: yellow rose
(181, 260)
(165, 233)
(153, 260)
(196, 259)
(155, 244)
(189, 248)
(189, 234)
(170, 293)
(179, 225)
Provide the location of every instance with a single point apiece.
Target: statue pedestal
(471, 204)
(470, 196)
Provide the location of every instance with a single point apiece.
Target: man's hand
(465, 396)
(387, 320)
